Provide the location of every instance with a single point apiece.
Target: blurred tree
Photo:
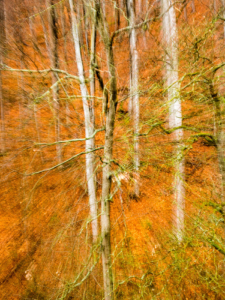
(134, 92)
(89, 126)
(170, 36)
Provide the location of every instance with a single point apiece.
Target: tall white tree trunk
(89, 127)
(175, 113)
(134, 99)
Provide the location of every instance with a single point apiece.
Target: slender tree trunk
(220, 145)
(117, 15)
(108, 150)
(215, 6)
(193, 6)
(103, 7)
(223, 13)
(79, 11)
(220, 138)
(185, 12)
(175, 113)
(92, 68)
(2, 49)
(135, 94)
(89, 127)
(139, 7)
(146, 6)
(86, 26)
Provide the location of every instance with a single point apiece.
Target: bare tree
(134, 98)
(89, 125)
(175, 114)
(107, 159)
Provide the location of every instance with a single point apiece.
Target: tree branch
(60, 164)
(69, 141)
(68, 75)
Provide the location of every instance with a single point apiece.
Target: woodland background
(109, 190)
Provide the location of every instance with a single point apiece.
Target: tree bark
(215, 6)
(223, 13)
(86, 26)
(134, 93)
(175, 113)
(193, 6)
(89, 127)
(139, 7)
(92, 68)
(108, 150)
(220, 139)
(117, 15)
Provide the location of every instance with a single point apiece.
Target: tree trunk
(220, 138)
(185, 12)
(215, 6)
(92, 68)
(89, 127)
(117, 15)
(86, 26)
(108, 149)
(193, 6)
(223, 14)
(134, 93)
(139, 7)
(175, 113)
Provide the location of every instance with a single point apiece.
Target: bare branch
(62, 163)
(69, 141)
(7, 68)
